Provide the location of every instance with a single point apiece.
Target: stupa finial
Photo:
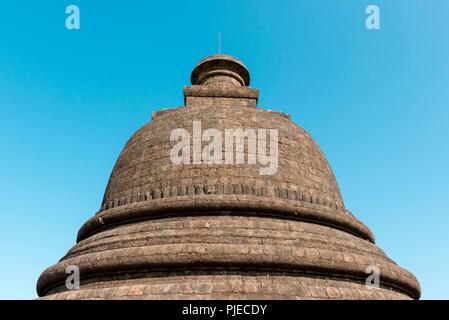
(220, 69)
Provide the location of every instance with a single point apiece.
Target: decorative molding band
(221, 189)
(216, 256)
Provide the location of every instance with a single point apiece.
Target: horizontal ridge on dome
(227, 69)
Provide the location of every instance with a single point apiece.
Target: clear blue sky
(377, 102)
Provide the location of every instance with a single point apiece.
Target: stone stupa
(224, 231)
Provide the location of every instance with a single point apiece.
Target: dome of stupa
(224, 227)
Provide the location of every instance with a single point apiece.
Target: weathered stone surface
(224, 231)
